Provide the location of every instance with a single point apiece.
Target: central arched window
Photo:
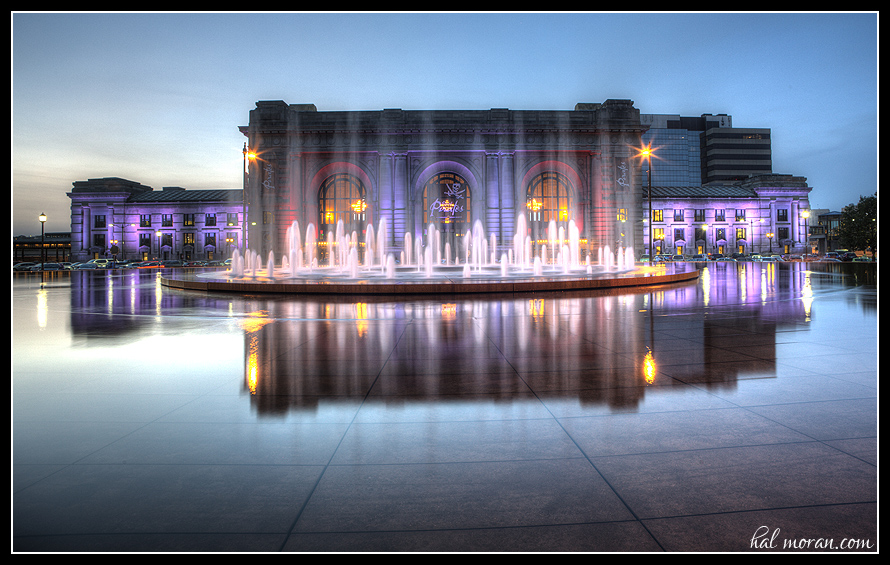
(446, 200)
(548, 198)
(340, 198)
(446, 205)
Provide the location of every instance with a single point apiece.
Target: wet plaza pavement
(737, 412)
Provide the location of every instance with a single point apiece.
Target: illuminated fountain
(477, 257)
(475, 266)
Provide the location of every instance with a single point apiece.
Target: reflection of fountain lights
(361, 318)
(255, 321)
(649, 367)
(449, 311)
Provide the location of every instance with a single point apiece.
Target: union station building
(709, 188)
(449, 168)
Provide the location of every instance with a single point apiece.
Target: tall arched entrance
(341, 197)
(548, 199)
(446, 206)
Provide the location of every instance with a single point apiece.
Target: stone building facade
(762, 214)
(455, 169)
(115, 217)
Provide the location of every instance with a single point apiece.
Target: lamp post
(804, 231)
(769, 236)
(248, 155)
(647, 153)
(42, 218)
(704, 238)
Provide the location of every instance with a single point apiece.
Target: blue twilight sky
(157, 98)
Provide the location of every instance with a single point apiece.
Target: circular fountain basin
(442, 281)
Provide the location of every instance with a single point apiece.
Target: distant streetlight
(769, 236)
(42, 218)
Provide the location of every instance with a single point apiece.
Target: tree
(859, 225)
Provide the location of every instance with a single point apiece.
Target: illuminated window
(740, 233)
(145, 221)
(740, 215)
(188, 219)
(341, 198)
(657, 215)
(446, 200)
(548, 198)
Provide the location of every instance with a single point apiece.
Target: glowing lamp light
(359, 206)
(534, 205)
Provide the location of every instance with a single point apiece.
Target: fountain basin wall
(442, 285)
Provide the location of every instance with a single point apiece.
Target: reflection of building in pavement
(588, 346)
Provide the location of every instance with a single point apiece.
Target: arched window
(446, 200)
(341, 198)
(446, 204)
(548, 198)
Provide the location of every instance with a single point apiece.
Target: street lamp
(805, 232)
(248, 155)
(769, 236)
(42, 218)
(646, 152)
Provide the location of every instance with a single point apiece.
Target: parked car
(84, 266)
(862, 259)
(677, 258)
(699, 257)
(47, 267)
(149, 265)
(770, 259)
(726, 259)
(23, 266)
(171, 263)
